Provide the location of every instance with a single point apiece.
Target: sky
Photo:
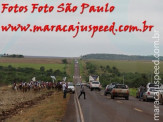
(127, 12)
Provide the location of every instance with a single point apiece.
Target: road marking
(119, 101)
(80, 110)
(138, 109)
(77, 112)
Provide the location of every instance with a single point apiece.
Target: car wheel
(146, 99)
(99, 89)
(127, 98)
(91, 89)
(105, 94)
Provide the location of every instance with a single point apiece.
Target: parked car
(149, 94)
(78, 84)
(95, 85)
(149, 85)
(84, 84)
(109, 88)
(120, 90)
(106, 90)
(88, 85)
(71, 88)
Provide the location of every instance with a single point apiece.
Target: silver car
(149, 94)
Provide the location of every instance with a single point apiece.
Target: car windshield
(113, 83)
(154, 89)
(153, 85)
(70, 84)
(120, 86)
(95, 83)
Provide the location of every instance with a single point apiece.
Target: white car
(71, 88)
(149, 94)
(95, 85)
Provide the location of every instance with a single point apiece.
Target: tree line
(119, 57)
(110, 74)
(12, 55)
(11, 74)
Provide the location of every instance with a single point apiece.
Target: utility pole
(123, 79)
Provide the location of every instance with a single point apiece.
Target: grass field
(35, 66)
(36, 63)
(128, 66)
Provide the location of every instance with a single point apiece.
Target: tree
(42, 68)
(64, 61)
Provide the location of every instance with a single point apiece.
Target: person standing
(64, 90)
(142, 89)
(82, 92)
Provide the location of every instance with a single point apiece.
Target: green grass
(60, 67)
(128, 66)
(133, 92)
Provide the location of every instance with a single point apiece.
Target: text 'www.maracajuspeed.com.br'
(77, 28)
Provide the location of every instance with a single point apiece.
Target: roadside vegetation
(44, 104)
(133, 91)
(127, 66)
(24, 70)
(132, 73)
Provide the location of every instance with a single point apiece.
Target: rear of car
(88, 85)
(71, 88)
(84, 84)
(120, 90)
(149, 94)
(108, 89)
(95, 85)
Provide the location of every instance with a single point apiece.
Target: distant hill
(119, 57)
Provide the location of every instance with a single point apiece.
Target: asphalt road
(99, 108)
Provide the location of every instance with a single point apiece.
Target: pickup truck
(120, 90)
(95, 85)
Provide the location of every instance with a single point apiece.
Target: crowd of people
(36, 86)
